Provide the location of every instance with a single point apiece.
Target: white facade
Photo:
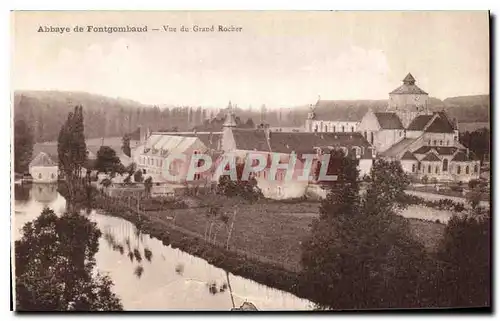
(44, 174)
(331, 126)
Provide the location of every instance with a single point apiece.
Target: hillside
(46, 111)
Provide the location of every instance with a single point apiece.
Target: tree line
(45, 113)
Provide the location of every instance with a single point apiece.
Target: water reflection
(174, 281)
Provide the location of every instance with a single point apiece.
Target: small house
(43, 169)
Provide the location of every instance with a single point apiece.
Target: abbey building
(425, 142)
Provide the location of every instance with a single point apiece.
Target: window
(419, 166)
(280, 191)
(445, 165)
(39, 175)
(467, 169)
(447, 143)
(334, 129)
(352, 128)
(371, 138)
(366, 135)
(429, 169)
(475, 168)
(440, 143)
(437, 170)
(459, 169)
(316, 128)
(52, 176)
(435, 142)
(413, 168)
(343, 129)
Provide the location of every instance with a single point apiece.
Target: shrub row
(442, 204)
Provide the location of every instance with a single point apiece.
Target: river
(170, 280)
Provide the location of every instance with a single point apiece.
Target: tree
(359, 253)
(245, 189)
(126, 145)
(23, 146)
(386, 192)
(465, 263)
(250, 123)
(55, 261)
(107, 161)
(138, 176)
(148, 184)
(72, 151)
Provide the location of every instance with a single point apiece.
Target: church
(424, 141)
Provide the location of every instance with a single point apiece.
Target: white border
(5, 125)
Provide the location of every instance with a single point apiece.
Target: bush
(138, 176)
(434, 181)
(456, 188)
(425, 179)
(473, 183)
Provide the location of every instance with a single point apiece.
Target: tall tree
(72, 151)
(55, 266)
(23, 146)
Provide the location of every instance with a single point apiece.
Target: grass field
(275, 230)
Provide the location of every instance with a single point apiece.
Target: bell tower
(408, 100)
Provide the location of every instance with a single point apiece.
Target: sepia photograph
(250, 161)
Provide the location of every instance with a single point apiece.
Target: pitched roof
(250, 139)
(399, 147)
(440, 125)
(42, 160)
(389, 121)
(431, 157)
(409, 80)
(408, 156)
(209, 139)
(441, 150)
(304, 142)
(163, 144)
(408, 87)
(420, 122)
(462, 157)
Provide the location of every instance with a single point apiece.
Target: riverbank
(236, 262)
(265, 246)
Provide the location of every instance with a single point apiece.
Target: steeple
(409, 80)
(230, 120)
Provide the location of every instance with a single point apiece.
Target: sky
(280, 59)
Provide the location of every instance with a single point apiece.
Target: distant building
(43, 169)
(426, 143)
(243, 142)
(325, 118)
